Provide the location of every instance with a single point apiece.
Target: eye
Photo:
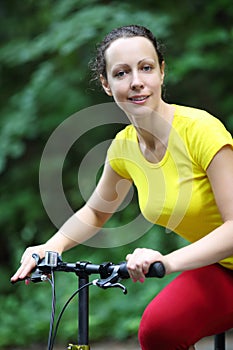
(120, 74)
(147, 68)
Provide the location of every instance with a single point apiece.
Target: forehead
(124, 50)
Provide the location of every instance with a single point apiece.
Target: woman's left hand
(139, 261)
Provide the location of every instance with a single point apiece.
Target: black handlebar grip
(157, 269)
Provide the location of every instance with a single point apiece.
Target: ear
(105, 85)
(162, 70)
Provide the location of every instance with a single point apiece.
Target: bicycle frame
(219, 341)
(83, 315)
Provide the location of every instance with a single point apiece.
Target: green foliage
(44, 53)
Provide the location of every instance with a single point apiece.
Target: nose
(136, 82)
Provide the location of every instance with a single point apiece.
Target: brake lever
(37, 259)
(111, 281)
(105, 285)
(38, 276)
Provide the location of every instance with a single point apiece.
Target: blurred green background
(44, 53)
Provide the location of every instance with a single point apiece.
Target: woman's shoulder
(128, 132)
(191, 113)
(196, 118)
(203, 133)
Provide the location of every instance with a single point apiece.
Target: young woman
(181, 162)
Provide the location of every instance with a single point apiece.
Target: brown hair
(98, 64)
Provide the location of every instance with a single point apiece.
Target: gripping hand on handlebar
(57, 243)
(110, 274)
(27, 262)
(138, 263)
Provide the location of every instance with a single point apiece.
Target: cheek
(156, 80)
(119, 91)
(156, 86)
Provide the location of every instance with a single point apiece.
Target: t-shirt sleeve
(207, 136)
(116, 157)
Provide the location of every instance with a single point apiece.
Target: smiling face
(134, 76)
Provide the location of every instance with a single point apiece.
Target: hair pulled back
(98, 64)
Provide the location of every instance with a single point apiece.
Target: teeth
(138, 98)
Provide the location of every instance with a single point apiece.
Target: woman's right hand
(28, 263)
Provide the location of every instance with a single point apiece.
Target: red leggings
(194, 305)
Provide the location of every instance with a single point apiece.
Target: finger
(128, 257)
(138, 278)
(27, 282)
(24, 256)
(136, 274)
(24, 270)
(16, 277)
(145, 267)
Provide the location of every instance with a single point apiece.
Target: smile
(138, 98)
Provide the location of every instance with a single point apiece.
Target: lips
(138, 98)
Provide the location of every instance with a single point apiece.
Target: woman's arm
(108, 195)
(210, 249)
(218, 244)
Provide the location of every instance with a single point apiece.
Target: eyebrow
(146, 58)
(126, 64)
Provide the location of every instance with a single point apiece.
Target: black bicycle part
(83, 310)
(219, 341)
(105, 270)
(110, 275)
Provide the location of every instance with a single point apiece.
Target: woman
(181, 161)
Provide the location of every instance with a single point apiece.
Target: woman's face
(134, 76)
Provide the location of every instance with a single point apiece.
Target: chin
(129, 107)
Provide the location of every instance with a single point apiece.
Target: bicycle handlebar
(53, 261)
(109, 273)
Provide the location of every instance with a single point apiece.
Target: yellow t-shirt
(175, 193)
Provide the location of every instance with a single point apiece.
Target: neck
(154, 128)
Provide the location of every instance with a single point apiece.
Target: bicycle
(110, 277)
